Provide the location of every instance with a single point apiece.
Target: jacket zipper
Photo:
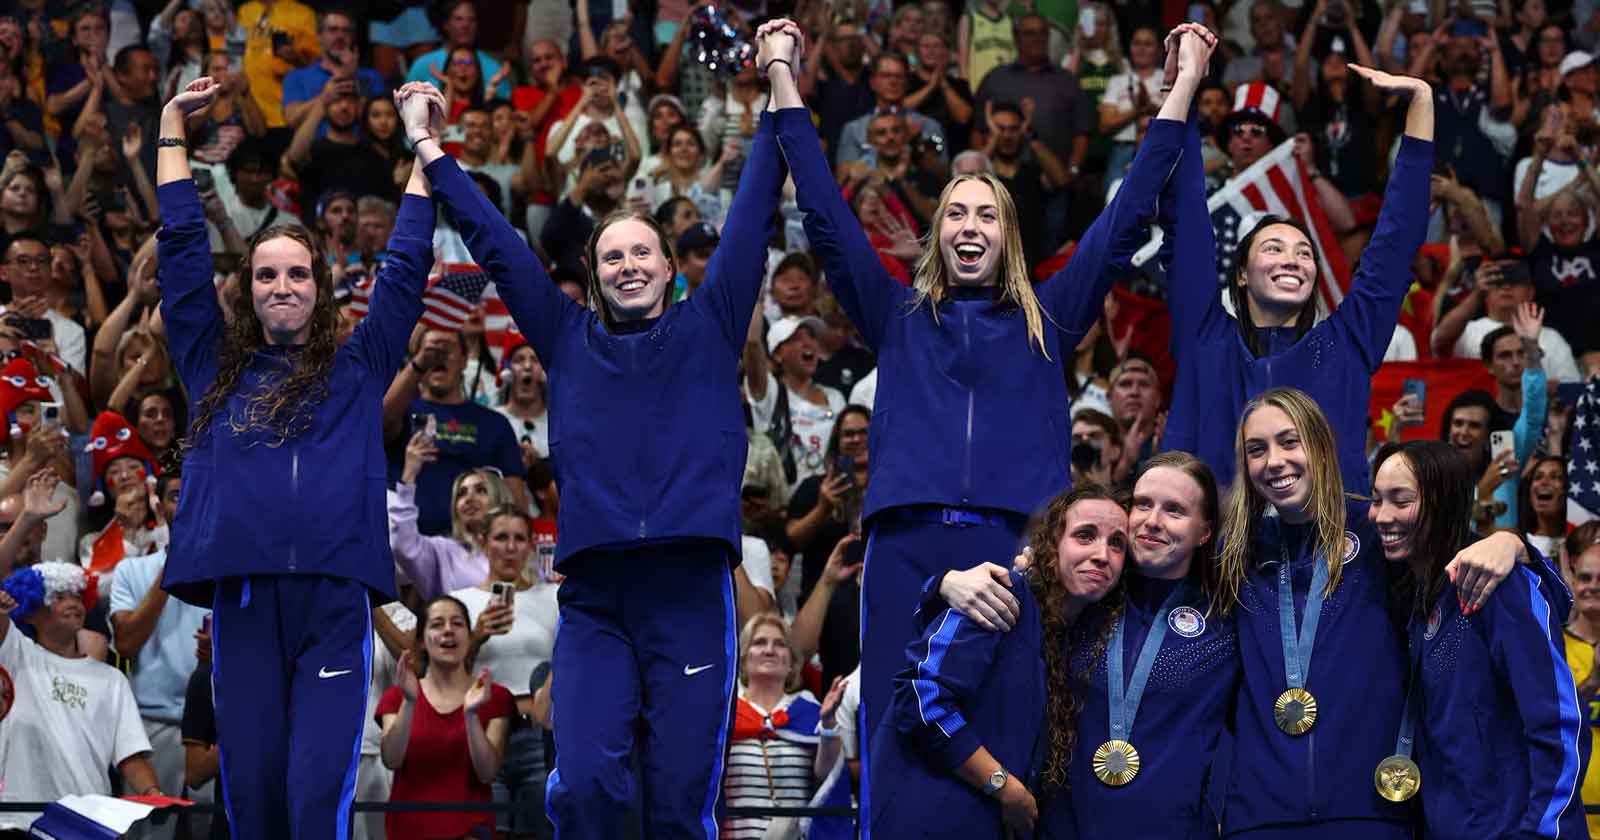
(972, 399)
(294, 498)
(1311, 772)
(632, 348)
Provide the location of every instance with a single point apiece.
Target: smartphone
(1469, 28)
(1516, 273)
(1087, 22)
(1417, 7)
(1418, 389)
(50, 412)
(281, 40)
(1501, 443)
(421, 421)
(34, 329)
(1196, 13)
(203, 180)
(845, 465)
(205, 624)
(503, 592)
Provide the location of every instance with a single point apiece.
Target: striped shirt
(768, 771)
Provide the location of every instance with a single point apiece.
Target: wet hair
(1239, 295)
(1050, 592)
(597, 300)
(1246, 507)
(1445, 496)
(281, 405)
(1203, 568)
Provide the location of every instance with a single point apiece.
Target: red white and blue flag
(1276, 184)
(1583, 466)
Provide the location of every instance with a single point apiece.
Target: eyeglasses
(463, 62)
(32, 262)
(1249, 130)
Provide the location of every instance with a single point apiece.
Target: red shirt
(528, 97)
(438, 767)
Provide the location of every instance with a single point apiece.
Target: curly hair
(281, 406)
(1061, 707)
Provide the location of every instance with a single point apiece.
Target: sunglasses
(463, 62)
(1249, 130)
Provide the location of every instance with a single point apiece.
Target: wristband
(825, 732)
(166, 142)
(767, 68)
(412, 142)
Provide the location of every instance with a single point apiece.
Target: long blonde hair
(932, 280)
(1242, 514)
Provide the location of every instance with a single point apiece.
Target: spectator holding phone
(1513, 358)
(444, 729)
(281, 35)
(337, 67)
(1507, 285)
(523, 389)
(437, 564)
(798, 413)
(26, 268)
(513, 617)
(824, 508)
(133, 527)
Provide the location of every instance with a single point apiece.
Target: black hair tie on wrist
(767, 68)
(164, 142)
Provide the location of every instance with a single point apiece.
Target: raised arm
(380, 339)
(1189, 247)
(1372, 308)
(734, 276)
(535, 302)
(857, 278)
(188, 300)
(1073, 297)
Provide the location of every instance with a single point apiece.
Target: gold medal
(1116, 763)
(1295, 711)
(1398, 778)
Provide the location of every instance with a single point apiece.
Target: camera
(1085, 455)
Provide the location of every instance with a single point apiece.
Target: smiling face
(1276, 462)
(853, 430)
(544, 58)
(61, 618)
(283, 290)
(1568, 220)
(932, 51)
(1547, 490)
(1144, 49)
(476, 139)
(970, 235)
(633, 269)
(1093, 548)
(461, 27)
(767, 658)
(683, 150)
(446, 632)
(1280, 273)
(507, 547)
(1167, 522)
(1396, 509)
(1586, 583)
(1469, 431)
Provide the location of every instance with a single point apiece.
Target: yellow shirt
(1580, 658)
(264, 69)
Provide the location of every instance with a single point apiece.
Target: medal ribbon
(1297, 647)
(1408, 718)
(1125, 697)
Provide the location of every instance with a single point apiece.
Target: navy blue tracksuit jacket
(961, 688)
(648, 439)
(1185, 709)
(1500, 731)
(1334, 361)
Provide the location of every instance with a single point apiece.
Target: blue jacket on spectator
(1180, 720)
(1500, 733)
(968, 413)
(962, 688)
(647, 428)
(247, 502)
(1333, 362)
(1528, 434)
(1356, 674)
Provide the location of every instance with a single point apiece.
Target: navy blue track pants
(645, 661)
(291, 662)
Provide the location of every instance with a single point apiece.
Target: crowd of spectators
(563, 112)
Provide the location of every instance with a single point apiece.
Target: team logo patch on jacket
(1352, 546)
(1434, 620)
(1186, 622)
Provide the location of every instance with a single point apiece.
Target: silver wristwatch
(997, 781)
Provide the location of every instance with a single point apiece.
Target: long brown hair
(1061, 707)
(282, 407)
(932, 280)
(1246, 506)
(597, 300)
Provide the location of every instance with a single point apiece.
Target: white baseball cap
(784, 329)
(1575, 60)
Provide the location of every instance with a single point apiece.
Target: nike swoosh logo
(325, 673)
(689, 672)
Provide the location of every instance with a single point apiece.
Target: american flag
(452, 296)
(1278, 185)
(1583, 465)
